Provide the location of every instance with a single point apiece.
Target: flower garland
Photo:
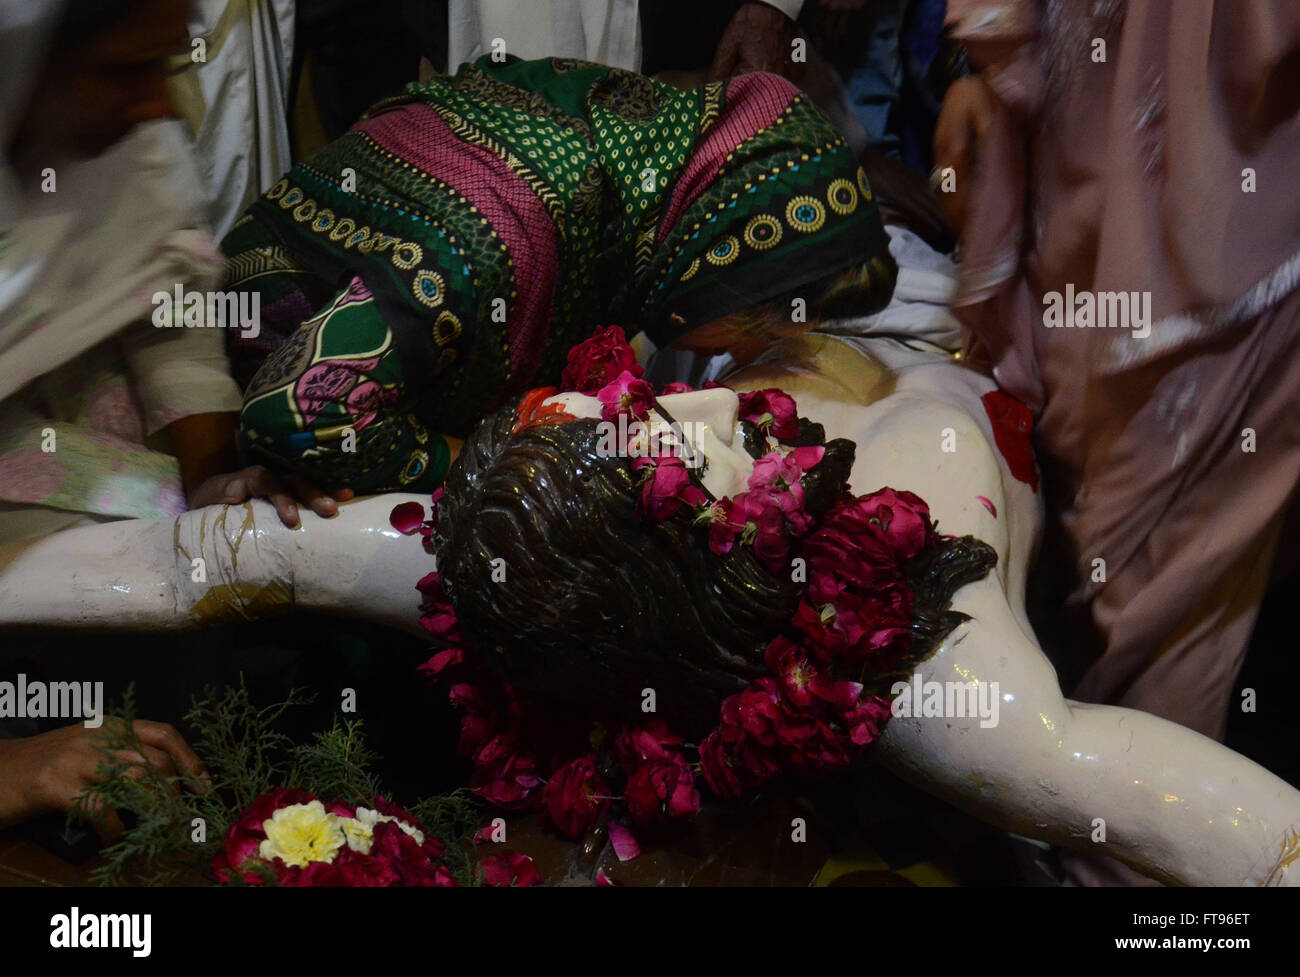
(812, 716)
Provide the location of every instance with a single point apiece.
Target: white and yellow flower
(299, 834)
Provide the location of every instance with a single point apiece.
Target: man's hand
(46, 774)
(257, 482)
(967, 111)
(757, 39)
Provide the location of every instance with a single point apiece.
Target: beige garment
(235, 101)
(605, 31)
(1127, 175)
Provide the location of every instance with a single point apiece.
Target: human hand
(757, 39)
(964, 119)
(46, 774)
(257, 482)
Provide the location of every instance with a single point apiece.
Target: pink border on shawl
(754, 102)
(417, 134)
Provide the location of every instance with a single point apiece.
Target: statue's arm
(215, 565)
(1165, 799)
(1175, 804)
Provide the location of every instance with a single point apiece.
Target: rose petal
(407, 517)
(624, 842)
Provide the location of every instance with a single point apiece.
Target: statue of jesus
(595, 599)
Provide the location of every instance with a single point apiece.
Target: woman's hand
(757, 39)
(967, 112)
(257, 482)
(46, 774)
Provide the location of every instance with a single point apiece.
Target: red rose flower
(407, 517)
(719, 772)
(810, 746)
(865, 719)
(797, 670)
(476, 728)
(662, 792)
(503, 775)
(598, 360)
(748, 733)
(653, 740)
(574, 798)
(510, 869)
(841, 561)
(440, 662)
(875, 629)
(676, 387)
(1013, 430)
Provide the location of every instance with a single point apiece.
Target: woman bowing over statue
(446, 254)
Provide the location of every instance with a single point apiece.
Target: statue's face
(708, 422)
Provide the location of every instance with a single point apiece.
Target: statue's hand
(257, 482)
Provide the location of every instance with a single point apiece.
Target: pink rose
(676, 388)
(773, 410)
(596, 361)
(665, 487)
(779, 477)
(763, 522)
(626, 395)
(757, 518)
(899, 520)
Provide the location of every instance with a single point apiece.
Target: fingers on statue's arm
(264, 485)
(318, 500)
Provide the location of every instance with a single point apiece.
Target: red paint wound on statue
(988, 505)
(1013, 428)
(533, 410)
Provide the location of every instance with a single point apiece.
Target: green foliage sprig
(175, 825)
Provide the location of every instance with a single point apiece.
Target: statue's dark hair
(568, 593)
(597, 603)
